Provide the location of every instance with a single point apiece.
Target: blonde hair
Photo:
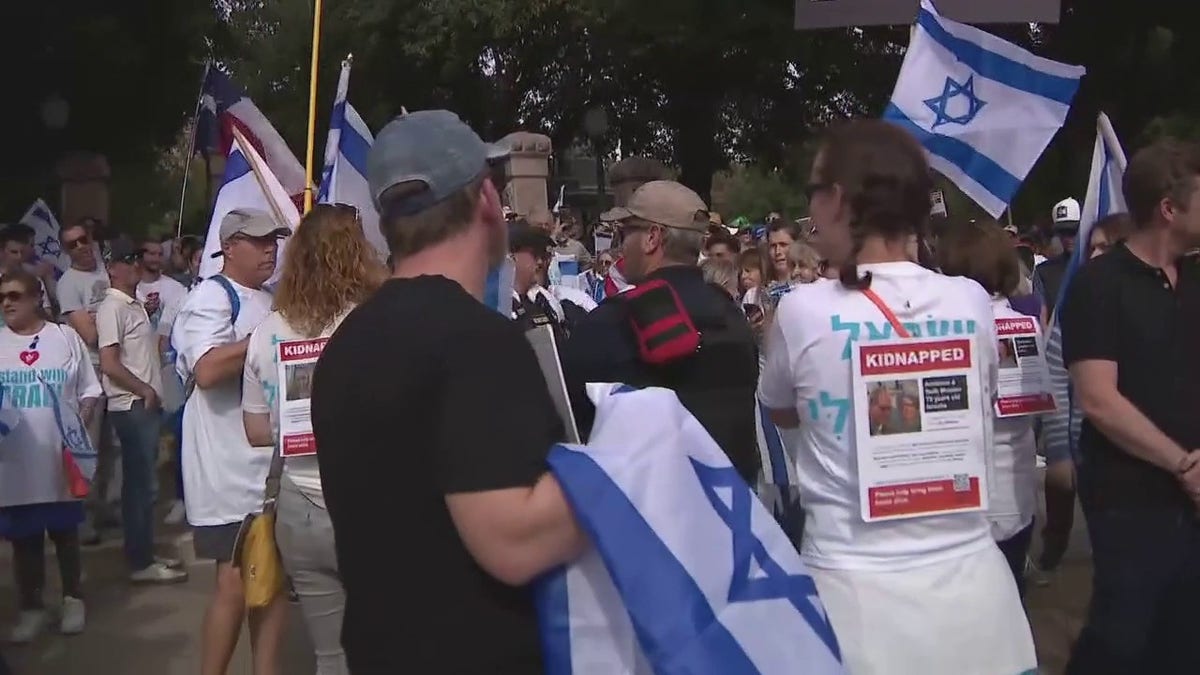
(328, 267)
(721, 272)
(803, 256)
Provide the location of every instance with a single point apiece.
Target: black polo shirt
(1119, 308)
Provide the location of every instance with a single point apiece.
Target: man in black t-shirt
(442, 507)
(1130, 327)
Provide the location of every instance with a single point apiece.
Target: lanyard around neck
(887, 312)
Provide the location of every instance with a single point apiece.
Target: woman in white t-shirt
(929, 595)
(328, 269)
(983, 252)
(46, 385)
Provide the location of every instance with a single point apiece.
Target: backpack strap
(235, 302)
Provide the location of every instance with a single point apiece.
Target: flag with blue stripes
(688, 573)
(9, 416)
(1104, 196)
(45, 228)
(344, 178)
(984, 108)
(778, 488)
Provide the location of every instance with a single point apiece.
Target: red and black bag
(661, 325)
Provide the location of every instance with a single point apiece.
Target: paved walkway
(156, 630)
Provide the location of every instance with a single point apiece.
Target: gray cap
(249, 223)
(434, 147)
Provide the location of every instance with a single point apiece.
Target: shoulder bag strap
(271, 493)
(887, 312)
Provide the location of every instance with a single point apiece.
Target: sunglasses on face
(13, 296)
(77, 242)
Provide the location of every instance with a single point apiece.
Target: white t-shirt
(171, 294)
(223, 477)
(31, 454)
(808, 369)
(1013, 485)
(260, 390)
(79, 291)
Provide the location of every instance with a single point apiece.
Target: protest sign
(919, 420)
(297, 362)
(546, 348)
(1024, 383)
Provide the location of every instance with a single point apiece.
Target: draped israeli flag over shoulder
(1104, 196)
(984, 108)
(344, 178)
(688, 572)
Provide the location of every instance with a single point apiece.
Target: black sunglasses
(77, 242)
(13, 296)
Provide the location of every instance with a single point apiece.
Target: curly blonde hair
(327, 268)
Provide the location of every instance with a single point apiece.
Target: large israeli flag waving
(688, 573)
(45, 228)
(344, 178)
(984, 108)
(1104, 196)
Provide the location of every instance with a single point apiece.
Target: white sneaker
(29, 624)
(177, 513)
(158, 573)
(1036, 575)
(73, 616)
(173, 563)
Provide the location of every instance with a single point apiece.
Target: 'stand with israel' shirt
(223, 476)
(808, 369)
(260, 393)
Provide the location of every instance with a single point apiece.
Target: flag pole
(258, 176)
(187, 162)
(312, 107)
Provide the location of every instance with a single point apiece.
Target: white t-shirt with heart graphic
(31, 453)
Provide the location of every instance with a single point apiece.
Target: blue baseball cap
(433, 147)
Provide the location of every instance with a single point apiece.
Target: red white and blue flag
(224, 106)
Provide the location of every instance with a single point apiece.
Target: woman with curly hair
(328, 269)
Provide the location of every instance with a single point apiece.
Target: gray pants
(305, 538)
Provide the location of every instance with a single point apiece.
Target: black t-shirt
(424, 392)
(1119, 308)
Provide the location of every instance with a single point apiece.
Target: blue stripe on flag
(997, 67)
(554, 619)
(976, 165)
(1080, 255)
(674, 623)
(236, 166)
(355, 148)
(779, 474)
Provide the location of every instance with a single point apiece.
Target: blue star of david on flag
(774, 583)
(942, 105)
(49, 248)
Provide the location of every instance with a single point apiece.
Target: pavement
(155, 630)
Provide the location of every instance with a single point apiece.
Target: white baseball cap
(1066, 214)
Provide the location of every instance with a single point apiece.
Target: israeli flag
(688, 573)
(344, 178)
(778, 486)
(10, 417)
(1103, 198)
(74, 433)
(247, 184)
(985, 109)
(45, 228)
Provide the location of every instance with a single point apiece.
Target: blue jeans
(1145, 592)
(138, 430)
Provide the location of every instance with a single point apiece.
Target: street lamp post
(595, 125)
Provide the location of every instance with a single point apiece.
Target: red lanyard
(887, 312)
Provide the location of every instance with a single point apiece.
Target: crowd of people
(427, 512)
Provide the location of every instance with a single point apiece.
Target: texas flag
(224, 107)
(248, 184)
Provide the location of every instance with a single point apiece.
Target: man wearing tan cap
(661, 231)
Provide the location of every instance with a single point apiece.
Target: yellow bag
(262, 570)
(255, 552)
